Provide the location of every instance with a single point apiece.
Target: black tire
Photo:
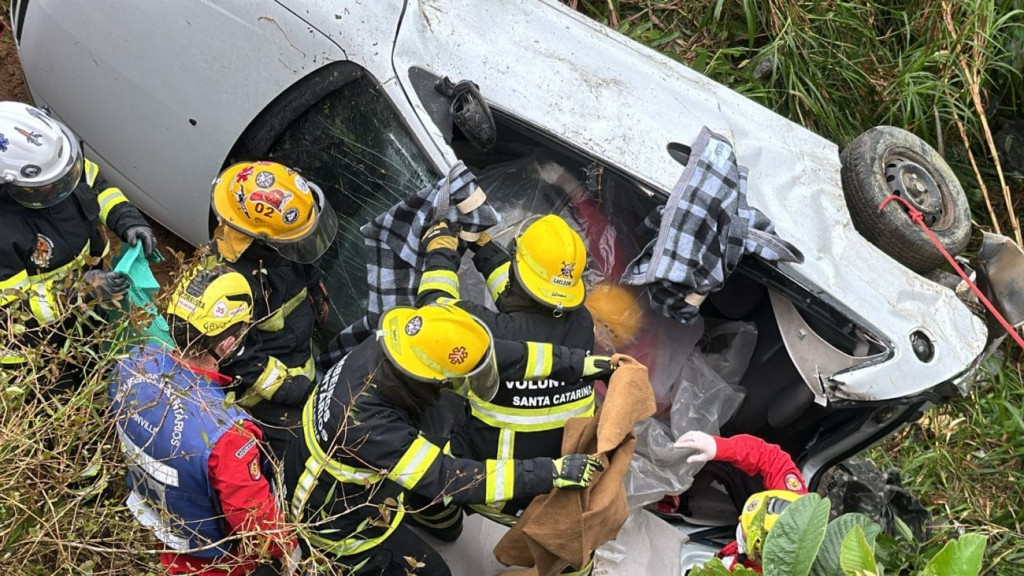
(887, 160)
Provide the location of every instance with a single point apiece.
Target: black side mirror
(469, 112)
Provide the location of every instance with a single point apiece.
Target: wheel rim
(909, 180)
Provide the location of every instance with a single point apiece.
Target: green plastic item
(143, 289)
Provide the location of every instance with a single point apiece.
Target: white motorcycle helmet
(40, 158)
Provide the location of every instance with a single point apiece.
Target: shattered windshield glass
(354, 146)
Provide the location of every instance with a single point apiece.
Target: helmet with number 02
(759, 515)
(273, 203)
(549, 261)
(443, 345)
(40, 158)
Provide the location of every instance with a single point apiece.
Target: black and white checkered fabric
(703, 231)
(394, 259)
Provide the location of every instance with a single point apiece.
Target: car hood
(624, 104)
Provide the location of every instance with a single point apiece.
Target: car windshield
(354, 146)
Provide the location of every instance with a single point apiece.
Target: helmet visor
(50, 192)
(482, 381)
(312, 246)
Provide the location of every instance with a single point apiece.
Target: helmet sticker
(30, 170)
(244, 174)
(264, 179)
(275, 198)
(413, 326)
(43, 251)
(220, 309)
(240, 198)
(290, 215)
(3, 143)
(32, 137)
(35, 113)
(300, 183)
(458, 355)
(567, 269)
(753, 504)
(793, 483)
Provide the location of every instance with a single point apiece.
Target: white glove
(554, 174)
(703, 443)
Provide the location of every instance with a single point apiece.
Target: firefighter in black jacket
(539, 295)
(52, 202)
(274, 227)
(364, 456)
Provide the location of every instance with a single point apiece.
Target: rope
(918, 218)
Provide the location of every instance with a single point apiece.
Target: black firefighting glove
(440, 236)
(293, 391)
(144, 233)
(576, 471)
(103, 285)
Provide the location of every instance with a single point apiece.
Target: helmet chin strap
(741, 539)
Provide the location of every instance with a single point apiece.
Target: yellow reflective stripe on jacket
(501, 480)
(42, 289)
(317, 463)
(12, 287)
(442, 280)
(530, 419)
(497, 280)
(273, 376)
(275, 322)
(92, 171)
(539, 358)
(108, 199)
(414, 463)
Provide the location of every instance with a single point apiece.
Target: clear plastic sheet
(728, 346)
(701, 400)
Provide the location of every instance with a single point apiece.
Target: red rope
(918, 218)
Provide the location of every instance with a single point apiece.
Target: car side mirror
(469, 112)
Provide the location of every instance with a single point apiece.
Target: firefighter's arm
(116, 212)
(440, 278)
(264, 377)
(542, 360)
(249, 507)
(426, 471)
(754, 456)
(493, 264)
(47, 296)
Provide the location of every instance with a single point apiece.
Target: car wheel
(886, 161)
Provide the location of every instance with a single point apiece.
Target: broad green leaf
(827, 562)
(960, 557)
(793, 542)
(856, 555)
(713, 567)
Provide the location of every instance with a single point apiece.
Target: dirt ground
(13, 87)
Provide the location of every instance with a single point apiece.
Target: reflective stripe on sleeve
(414, 463)
(501, 480)
(92, 171)
(539, 357)
(497, 280)
(441, 280)
(108, 199)
(275, 322)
